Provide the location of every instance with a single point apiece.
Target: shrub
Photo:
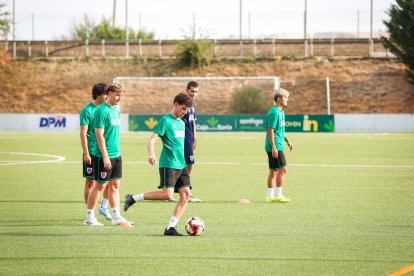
(194, 53)
(248, 100)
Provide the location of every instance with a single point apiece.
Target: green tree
(104, 30)
(5, 21)
(83, 30)
(248, 100)
(144, 34)
(194, 53)
(401, 29)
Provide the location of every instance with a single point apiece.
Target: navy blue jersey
(189, 119)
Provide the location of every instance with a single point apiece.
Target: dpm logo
(58, 121)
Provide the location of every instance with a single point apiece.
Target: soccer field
(351, 211)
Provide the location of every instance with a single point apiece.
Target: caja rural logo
(55, 122)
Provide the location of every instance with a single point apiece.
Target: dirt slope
(357, 86)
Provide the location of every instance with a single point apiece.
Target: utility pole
(194, 27)
(32, 26)
(14, 29)
(370, 33)
(113, 14)
(241, 37)
(358, 24)
(126, 30)
(304, 29)
(249, 26)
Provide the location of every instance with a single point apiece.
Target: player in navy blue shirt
(190, 141)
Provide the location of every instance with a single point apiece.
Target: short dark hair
(98, 90)
(183, 99)
(192, 84)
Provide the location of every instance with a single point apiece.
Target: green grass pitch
(352, 209)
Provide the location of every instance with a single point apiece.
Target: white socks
(104, 203)
(115, 213)
(270, 192)
(274, 192)
(138, 197)
(90, 214)
(278, 191)
(173, 222)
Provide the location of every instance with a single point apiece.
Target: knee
(89, 183)
(283, 170)
(114, 185)
(185, 195)
(99, 186)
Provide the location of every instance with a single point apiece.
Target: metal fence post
(14, 49)
(273, 47)
(29, 49)
(87, 48)
(46, 49)
(103, 48)
(332, 47)
(140, 47)
(160, 48)
(306, 48)
(254, 48)
(311, 47)
(370, 47)
(215, 48)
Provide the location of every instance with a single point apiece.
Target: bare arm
(84, 144)
(271, 136)
(150, 147)
(290, 145)
(102, 147)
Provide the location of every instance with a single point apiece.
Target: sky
(172, 19)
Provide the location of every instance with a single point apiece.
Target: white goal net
(154, 95)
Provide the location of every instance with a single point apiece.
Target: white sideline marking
(264, 164)
(57, 158)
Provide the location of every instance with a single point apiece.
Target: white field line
(57, 158)
(264, 164)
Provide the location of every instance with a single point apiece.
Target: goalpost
(154, 95)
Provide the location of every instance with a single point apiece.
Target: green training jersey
(172, 133)
(109, 119)
(276, 120)
(86, 119)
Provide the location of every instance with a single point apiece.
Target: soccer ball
(194, 226)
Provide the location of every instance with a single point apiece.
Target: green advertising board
(294, 123)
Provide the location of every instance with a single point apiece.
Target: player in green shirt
(88, 142)
(274, 146)
(107, 156)
(174, 176)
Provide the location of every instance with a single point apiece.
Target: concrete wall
(221, 48)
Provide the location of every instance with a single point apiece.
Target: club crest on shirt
(103, 174)
(88, 170)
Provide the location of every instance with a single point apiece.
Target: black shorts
(103, 175)
(88, 171)
(188, 154)
(173, 178)
(277, 163)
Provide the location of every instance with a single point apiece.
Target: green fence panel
(294, 123)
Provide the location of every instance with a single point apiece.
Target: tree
(104, 30)
(4, 21)
(401, 29)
